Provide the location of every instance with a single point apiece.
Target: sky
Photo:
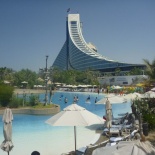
(122, 30)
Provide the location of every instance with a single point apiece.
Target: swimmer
(65, 100)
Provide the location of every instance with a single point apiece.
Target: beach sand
(29, 91)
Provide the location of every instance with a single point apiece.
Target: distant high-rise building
(79, 55)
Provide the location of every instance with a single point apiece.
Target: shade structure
(74, 115)
(153, 89)
(112, 99)
(7, 144)
(116, 87)
(24, 82)
(40, 79)
(133, 96)
(127, 148)
(149, 94)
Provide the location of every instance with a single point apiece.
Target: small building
(122, 80)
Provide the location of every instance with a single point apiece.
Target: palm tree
(150, 70)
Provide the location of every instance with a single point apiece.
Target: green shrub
(33, 100)
(15, 102)
(150, 119)
(6, 93)
(148, 112)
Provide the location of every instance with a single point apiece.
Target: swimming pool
(31, 133)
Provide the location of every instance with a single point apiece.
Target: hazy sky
(121, 30)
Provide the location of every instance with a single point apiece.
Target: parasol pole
(75, 137)
(8, 152)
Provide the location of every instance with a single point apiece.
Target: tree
(74, 77)
(150, 69)
(6, 74)
(6, 93)
(25, 75)
(117, 71)
(135, 71)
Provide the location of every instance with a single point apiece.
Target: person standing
(65, 100)
(95, 99)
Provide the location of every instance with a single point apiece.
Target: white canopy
(127, 148)
(150, 94)
(133, 96)
(112, 98)
(153, 89)
(24, 82)
(74, 115)
(6, 82)
(117, 87)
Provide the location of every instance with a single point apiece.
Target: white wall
(121, 80)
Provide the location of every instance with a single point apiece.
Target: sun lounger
(124, 125)
(116, 139)
(114, 131)
(120, 120)
(111, 144)
(117, 130)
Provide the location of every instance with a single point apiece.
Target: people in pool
(74, 99)
(61, 97)
(95, 99)
(65, 100)
(88, 99)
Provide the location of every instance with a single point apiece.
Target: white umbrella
(108, 114)
(6, 82)
(7, 144)
(127, 148)
(108, 100)
(24, 82)
(153, 89)
(133, 96)
(112, 98)
(74, 86)
(116, 87)
(74, 115)
(150, 94)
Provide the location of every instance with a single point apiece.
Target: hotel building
(77, 54)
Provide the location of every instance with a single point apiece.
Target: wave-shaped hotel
(77, 54)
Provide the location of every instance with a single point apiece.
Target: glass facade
(76, 54)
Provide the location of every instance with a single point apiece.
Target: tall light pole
(51, 69)
(46, 80)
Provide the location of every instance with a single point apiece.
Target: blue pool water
(31, 133)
